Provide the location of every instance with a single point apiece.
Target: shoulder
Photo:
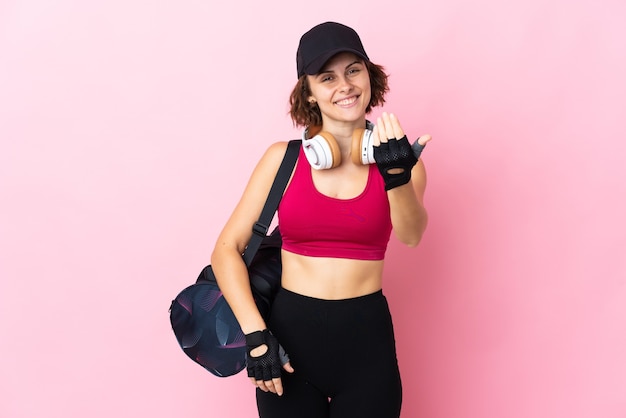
(273, 156)
(270, 162)
(276, 151)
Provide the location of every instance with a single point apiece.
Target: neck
(342, 131)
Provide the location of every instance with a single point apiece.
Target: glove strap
(256, 339)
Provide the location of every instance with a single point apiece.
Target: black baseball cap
(323, 41)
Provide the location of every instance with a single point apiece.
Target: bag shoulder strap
(260, 228)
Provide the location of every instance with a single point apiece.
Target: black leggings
(344, 356)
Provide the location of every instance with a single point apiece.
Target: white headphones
(323, 152)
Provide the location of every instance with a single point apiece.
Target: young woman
(336, 216)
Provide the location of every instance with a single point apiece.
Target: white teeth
(346, 101)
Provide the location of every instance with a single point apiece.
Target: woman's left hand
(394, 155)
(388, 128)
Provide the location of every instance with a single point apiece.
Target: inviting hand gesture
(393, 153)
(388, 128)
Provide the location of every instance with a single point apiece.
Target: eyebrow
(325, 70)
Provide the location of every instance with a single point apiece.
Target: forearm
(408, 214)
(232, 277)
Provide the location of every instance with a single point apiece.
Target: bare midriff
(330, 278)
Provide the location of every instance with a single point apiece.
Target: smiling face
(342, 89)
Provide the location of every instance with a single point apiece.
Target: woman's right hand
(265, 358)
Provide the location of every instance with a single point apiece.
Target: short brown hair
(304, 113)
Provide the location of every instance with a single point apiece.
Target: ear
(311, 100)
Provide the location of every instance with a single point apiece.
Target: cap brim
(318, 63)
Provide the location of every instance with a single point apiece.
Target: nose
(344, 84)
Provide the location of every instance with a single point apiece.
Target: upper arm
(238, 229)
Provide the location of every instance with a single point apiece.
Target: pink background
(129, 129)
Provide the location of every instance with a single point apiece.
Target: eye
(326, 78)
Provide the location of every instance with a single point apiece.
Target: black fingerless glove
(396, 154)
(266, 366)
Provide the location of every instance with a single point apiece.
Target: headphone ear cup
(362, 147)
(322, 151)
(333, 148)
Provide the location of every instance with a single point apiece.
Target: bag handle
(260, 228)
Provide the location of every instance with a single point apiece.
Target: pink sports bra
(313, 224)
